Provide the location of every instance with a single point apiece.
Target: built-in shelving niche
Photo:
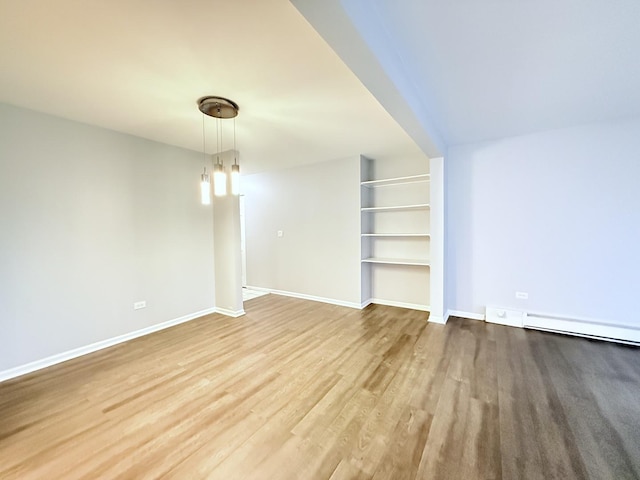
(395, 236)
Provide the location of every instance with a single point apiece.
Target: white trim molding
(391, 303)
(304, 296)
(437, 319)
(505, 316)
(461, 314)
(437, 241)
(258, 289)
(94, 347)
(342, 303)
(364, 305)
(229, 313)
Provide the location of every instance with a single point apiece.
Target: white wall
(91, 221)
(553, 214)
(318, 209)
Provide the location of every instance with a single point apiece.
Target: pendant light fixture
(235, 168)
(219, 179)
(219, 108)
(219, 175)
(205, 188)
(205, 182)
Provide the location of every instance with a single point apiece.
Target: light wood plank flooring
(303, 390)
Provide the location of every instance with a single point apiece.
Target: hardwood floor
(303, 390)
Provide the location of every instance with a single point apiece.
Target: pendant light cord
(204, 143)
(217, 140)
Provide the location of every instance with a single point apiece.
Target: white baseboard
(229, 313)
(442, 320)
(391, 303)
(461, 314)
(505, 316)
(78, 352)
(584, 328)
(304, 296)
(365, 304)
(258, 289)
(342, 303)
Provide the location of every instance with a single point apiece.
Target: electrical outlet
(522, 295)
(280, 233)
(139, 305)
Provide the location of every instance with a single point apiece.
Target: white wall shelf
(395, 231)
(396, 181)
(419, 206)
(398, 235)
(398, 261)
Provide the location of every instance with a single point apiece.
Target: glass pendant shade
(219, 180)
(235, 179)
(205, 188)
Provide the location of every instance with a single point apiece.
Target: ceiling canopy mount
(218, 107)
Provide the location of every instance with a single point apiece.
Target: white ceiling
(458, 71)
(138, 67)
(484, 69)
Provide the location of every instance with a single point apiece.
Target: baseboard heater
(568, 326)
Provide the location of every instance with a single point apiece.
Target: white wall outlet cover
(522, 295)
(139, 305)
(505, 316)
(280, 233)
